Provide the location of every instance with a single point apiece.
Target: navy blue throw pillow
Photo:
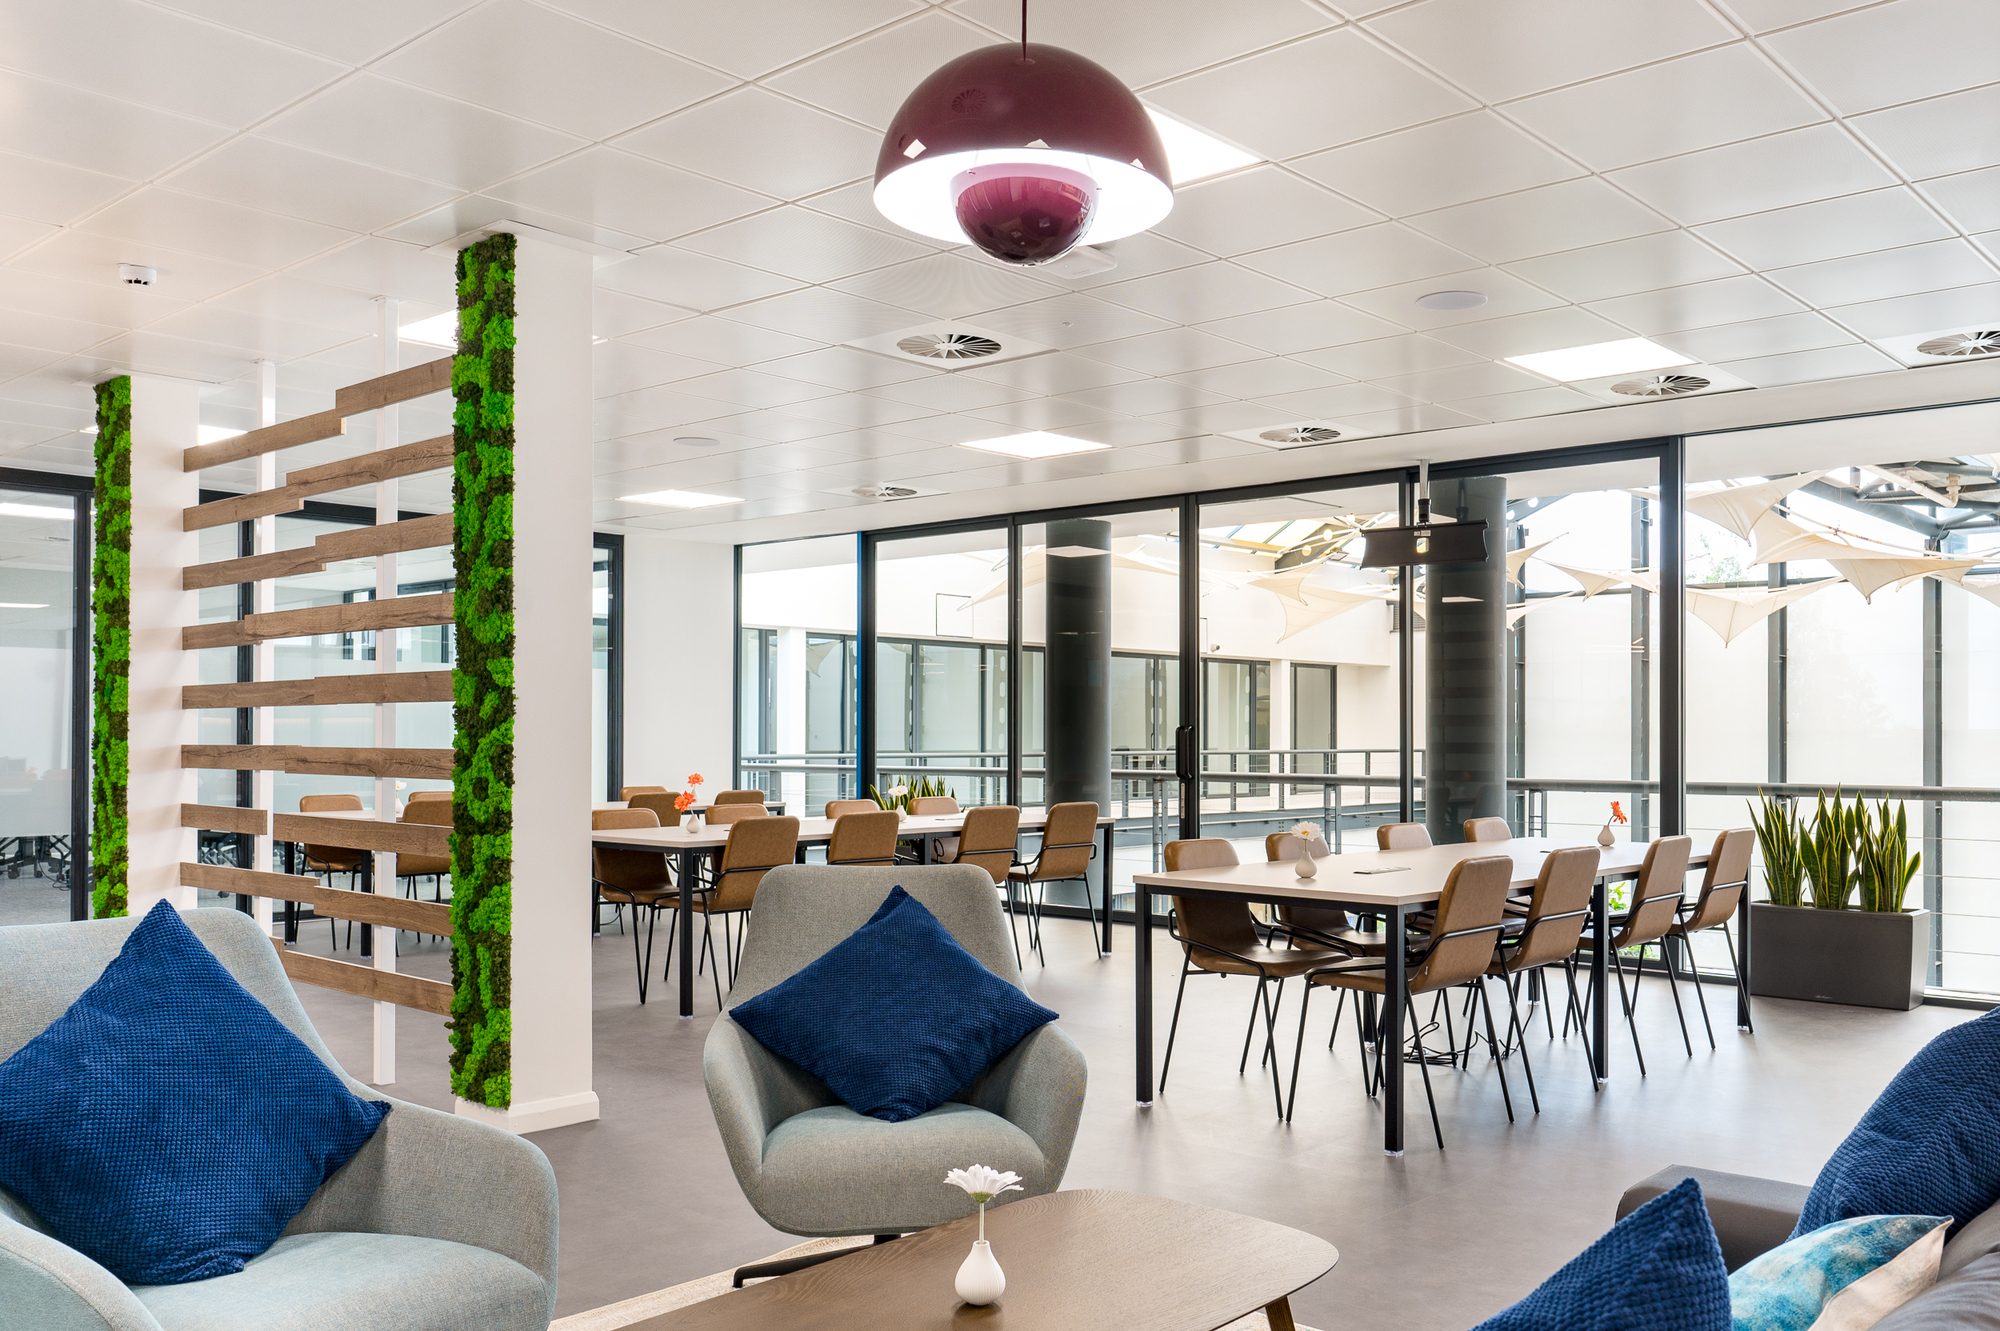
(1929, 1145)
(168, 1126)
(1658, 1269)
(895, 1018)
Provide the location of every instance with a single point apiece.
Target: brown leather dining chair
(1723, 884)
(755, 847)
(1458, 949)
(660, 803)
(1548, 936)
(1655, 909)
(738, 797)
(427, 796)
(1314, 924)
(1069, 844)
(988, 839)
(330, 860)
(1401, 836)
(409, 868)
(1218, 936)
(722, 815)
(864, 838)
(627, 792)
(641, 879)
(935, 806)
(1488, 829)
(835, 808)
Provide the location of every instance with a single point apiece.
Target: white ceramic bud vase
(692, 822)
(1306, 866)
(980, 1279)
(1604, 837)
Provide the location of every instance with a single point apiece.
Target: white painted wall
(679, 613)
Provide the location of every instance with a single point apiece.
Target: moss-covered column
(111, 649)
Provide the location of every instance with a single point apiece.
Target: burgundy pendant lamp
(1026, 151)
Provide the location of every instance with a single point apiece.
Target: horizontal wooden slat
(400, 386)
(367, 982)
(285, 434)
(223, 818)
(391, 912)
(385, 464)
(365, 834)
(319, 760)
(249, 882)
(354, 543)
(402, 612)
(403, 686)
(242, 508)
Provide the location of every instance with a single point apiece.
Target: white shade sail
(1733, 611)
(1316, 605)
(1986, 587)
(1592, 582)
(1515, 613)
(1738, 508)
(1518, 559)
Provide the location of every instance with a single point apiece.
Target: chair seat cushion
(833, 1171)
(896, 1017)
(167, 1126)
(305, 1282)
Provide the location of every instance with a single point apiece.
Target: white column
(166, 414)
(388, 432)
(264, 656)
(551, 1077)
(788, 706)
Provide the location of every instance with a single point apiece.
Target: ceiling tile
(723, 339)
(1644, 263)
(1070, 321)
(1256, 209)
(1766, 15)
(84, 130)
(1972, 199)
(1541, 221)
(1144, 41)
(1541, 330)
(469, 212)
(630, 194)
(761, 140)
(1055, 373)
(378, 267)
(615, 314)
(649, 408)
(948, 392)
(1201, 448)
(1936, 137)
(1413, 419)
(18, 232)
(284, 178)
(1337, 87)
(151, 353)
(1758, 337)
(1044, 413)
(783, 32)
(1806, 366)
(806, 245)
(1225, 417)
(947, 429)
(1174, 351)
(949, 285)
(1295, 328)
(1126, 433)
(1137, 256)
(1436, 165)
(1524, 406)
(45, 191)
(1886, 273)
(694, 281)
(1697, 305)
(279, 339)
(1360, 260)
(1389, 356)
(1477, 380)
(1505, 294)
(1677, 106)
(295, 299)
(854, 411)
(1902, 315)
(83, 256)
(1261, 378)
(1207, 291)
(60, 336)
(751, 388)
(827, 315)
(1798, 166)
(1829, 229)
(845, 368)
(870, 443)
(620, 367)
(856, 203)
(366, 118)
(868, 79)
(1895, 52)
(1502, 49)
(1335, 403)
(1149, 397)
(353, 31)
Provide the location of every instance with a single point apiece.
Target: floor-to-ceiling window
(796, 672)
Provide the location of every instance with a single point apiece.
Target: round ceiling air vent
(1301, 434)
(948, 346)
(1661, 385)
(1962, 344)
(882, 491)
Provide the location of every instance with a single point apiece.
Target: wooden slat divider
(419, 917)
(365, 834)
(399, 386)
(362, 469)
(402, 612)
(286, 434)
(248, 882)
(242, 508)
(225, 818)
(367, 982)
(325, 690)
(320, 760)
(355, 543)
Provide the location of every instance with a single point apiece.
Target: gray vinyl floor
(1433, 1241)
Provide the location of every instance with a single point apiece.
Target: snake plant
(901, 794)
(1828, 852)
(1780, 837)
(1883, 858)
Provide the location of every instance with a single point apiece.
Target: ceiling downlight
(1661, 385)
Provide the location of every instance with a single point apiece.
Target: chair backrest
(329, 804)
(1467, 928)
(988, 839)
(333, 857)
(624, 868)
(1559, 909)
(738, 797)
(1402, 836)
(1209, 925)
(933, 804)
(1199, 853)
(660, 803)
(627, 792)
(1656, 897)
(835, 808)
(428, 796)
(1068, 841)
(721, 815)
(864, 838)
(432, 812)
(1283, 847)
(1488, 829)
(755, 846)
(1725, 880)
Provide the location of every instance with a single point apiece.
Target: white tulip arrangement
(983, 1184)
(1305, 831)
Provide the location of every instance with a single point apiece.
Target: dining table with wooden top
(1391, 885)
(691, 846)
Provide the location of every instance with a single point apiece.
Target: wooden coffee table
(1073, 1259)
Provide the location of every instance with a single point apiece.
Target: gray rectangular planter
(1857, 957)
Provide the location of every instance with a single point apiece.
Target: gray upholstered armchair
(438, 1224)
(812, 1166)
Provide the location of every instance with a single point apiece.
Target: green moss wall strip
(111, 649)
(482, 381)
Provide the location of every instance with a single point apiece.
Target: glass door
(43, 834)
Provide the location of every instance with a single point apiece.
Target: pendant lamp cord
(1024, 30)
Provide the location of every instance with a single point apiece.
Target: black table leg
(1600, 980)
(1389, 1052)
(367, 885)
(1104, 879)
(690, 862)
(1743, 961)
(1142, 984)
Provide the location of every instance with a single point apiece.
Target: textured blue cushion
(167, 1126)
(1879, 1262)
(1659, 1269)
(1929, 1145)
(896, 1017)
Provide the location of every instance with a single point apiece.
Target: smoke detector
(950, 345)
(1660, 385)
(1984, 342)
(137, 275)
(1290, 436)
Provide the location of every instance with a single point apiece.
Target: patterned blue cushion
(1659, 1269)
(1793, 1286)
(168, 1126)
(896, 1017)
(1929, 1145)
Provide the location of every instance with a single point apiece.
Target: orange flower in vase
(1604, 837)
(694, 778)
(684, 805)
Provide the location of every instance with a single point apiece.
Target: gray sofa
(437, 1224)
(812, 1166)
(1754, 1215)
